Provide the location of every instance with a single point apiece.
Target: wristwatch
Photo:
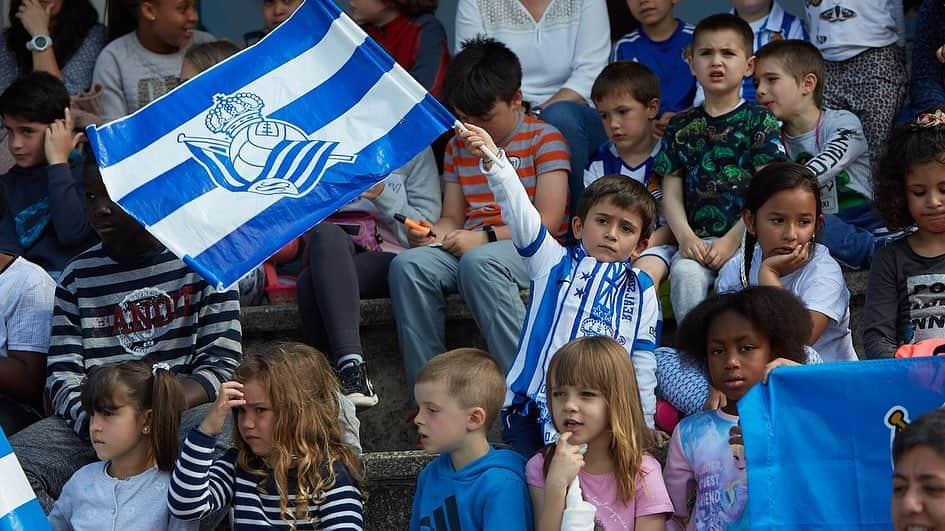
(39, 43)
(490, 233)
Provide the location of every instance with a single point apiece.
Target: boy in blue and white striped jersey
(585, 290)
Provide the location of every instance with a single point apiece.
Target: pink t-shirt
(601, 490)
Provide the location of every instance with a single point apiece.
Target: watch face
(41, 41)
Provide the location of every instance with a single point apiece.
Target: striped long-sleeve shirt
(572, 295)
(152, 307)
(201, 485)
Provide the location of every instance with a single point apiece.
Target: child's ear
(653, 108)
(819, 225)
(808, 83)
(577, 227)
(476, 419)
(638, 250)
(517, 99)
(148, 11)
(750, 71)
(146, 417)
(749, 220)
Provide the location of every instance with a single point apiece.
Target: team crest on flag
(258, 154)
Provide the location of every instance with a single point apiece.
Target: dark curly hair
(774, 312)
(908, 145)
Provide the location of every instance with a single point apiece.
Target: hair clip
(161, 365)
(929, 120)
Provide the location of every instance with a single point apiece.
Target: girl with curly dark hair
(906, 288)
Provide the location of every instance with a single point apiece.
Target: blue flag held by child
(818, 439)
(240, 160)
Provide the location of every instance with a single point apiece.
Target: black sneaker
(356, 385)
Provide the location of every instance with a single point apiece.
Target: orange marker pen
(414, 225)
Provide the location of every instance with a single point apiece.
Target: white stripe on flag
(15, 489)
(318, 63)
(376, 109)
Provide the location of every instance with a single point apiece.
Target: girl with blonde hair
(291, 467)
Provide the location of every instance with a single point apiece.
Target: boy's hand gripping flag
(237, 162)
(19, 508)
(818, 440)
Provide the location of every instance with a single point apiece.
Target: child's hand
(716, 400)
(34, 17)
(461, 241)
(719, 251)
(229, 396)
(60, 140)
(693, 248)
(783, 264)
(565, 465)
(417, 239)
(940, 54)
(660, 437)
(659, 125)
(779, 362)
(476, 140)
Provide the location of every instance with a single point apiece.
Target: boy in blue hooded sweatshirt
(471, 485)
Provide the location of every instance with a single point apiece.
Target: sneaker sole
(363, 402)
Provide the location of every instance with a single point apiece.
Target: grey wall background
(232, 18)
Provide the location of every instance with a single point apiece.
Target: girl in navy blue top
(290, 467)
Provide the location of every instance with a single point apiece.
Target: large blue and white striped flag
(232, 165)
(19, 508)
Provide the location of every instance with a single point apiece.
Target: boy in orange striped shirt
(471, 252)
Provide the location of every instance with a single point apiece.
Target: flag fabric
(240, 160)
(818, 440)
(19, 508)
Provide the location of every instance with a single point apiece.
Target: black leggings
(330, 288)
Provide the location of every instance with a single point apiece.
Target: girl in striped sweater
(290, 468)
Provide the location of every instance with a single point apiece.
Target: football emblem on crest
(259, 154)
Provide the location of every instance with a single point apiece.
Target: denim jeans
(488, 277)
(849, 235)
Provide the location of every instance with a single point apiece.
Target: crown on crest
(230, 113)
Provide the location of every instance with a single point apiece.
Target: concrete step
(384, 427)
(391, 480)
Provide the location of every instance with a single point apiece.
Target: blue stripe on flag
(26, 517)
(4, 445)
(309, 112)
(151, 201)
(343, 89)
(296, 36)
(269, 231)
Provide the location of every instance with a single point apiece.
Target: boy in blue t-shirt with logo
(661, 43)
